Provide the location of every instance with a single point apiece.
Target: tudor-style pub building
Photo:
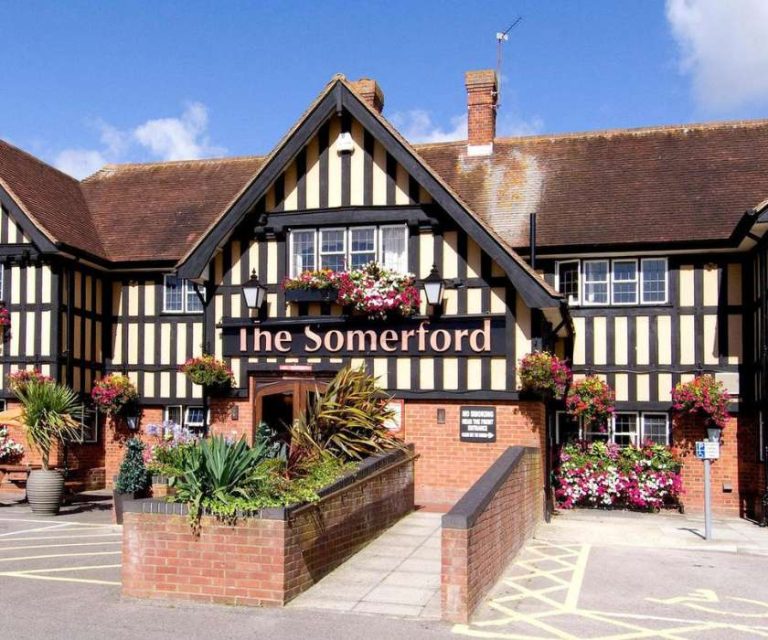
(638, 255)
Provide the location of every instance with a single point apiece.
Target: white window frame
(666, 281)
(654, 414)
(166, 413)
(377, 242)
(607, 282)
(2, 282)
(291, 257)
(613, 282)
(193, 425)
(380, 247)
(577, 301)
(187, 287)
(638, 427)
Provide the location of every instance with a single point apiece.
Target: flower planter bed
(311, 295)
(269, 557)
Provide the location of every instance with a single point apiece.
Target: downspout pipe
(532, 240)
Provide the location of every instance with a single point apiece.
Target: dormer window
(343, 248)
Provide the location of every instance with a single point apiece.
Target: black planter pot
(119, 500)
(311, 295)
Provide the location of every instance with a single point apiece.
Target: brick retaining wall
(487, 527)
(269, 558)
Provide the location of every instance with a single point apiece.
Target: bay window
(345, 248)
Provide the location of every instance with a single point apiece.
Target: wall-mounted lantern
(254, 292)
(434, 288)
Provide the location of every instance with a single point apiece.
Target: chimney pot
(482, 93)
(369, 92)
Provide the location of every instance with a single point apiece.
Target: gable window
(596, 282)
(622, 281)
(340, 249)
(653, 282)
(180, 296)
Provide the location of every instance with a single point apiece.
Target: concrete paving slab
(388, 609)
(399, 595)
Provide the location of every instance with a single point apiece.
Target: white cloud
(722, 47)
(181, 138)
(417, 125)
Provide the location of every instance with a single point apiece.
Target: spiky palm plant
(348, 420)
(47, 410)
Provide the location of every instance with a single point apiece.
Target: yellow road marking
(64, 544)
(577, 579)
(63, 555)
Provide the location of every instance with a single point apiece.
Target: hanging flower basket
(702, 396)
(210, 373)
(18, 380)
(116, 395)
(5, 321)
(544, 373)
(592, 401)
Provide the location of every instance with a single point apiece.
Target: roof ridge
(37, 160)
(123, 166)
(598, 133)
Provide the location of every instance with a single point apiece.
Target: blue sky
(92, 82)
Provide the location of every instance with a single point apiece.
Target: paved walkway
(622, 576)
(398, 574)
(655, 530)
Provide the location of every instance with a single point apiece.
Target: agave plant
(47, 410)
(348, 420)
(216, 469)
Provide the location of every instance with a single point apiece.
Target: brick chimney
(370, 92)
(482, 92)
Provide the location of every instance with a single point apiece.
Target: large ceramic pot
(119, 500)
(45, 490)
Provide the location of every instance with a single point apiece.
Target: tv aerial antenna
(501, 38)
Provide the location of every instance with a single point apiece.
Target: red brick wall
(738, 466)
(447, 467)
(474, 558)
(260, 561)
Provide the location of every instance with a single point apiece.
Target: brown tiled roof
(628, 186)
(157, 211)
(613, 187)
(51, 199)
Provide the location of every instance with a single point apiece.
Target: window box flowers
(592, 401)
(5, 319)
(210, 373)
(703, 396)
(544, 373)
(116, 395)
(373, 290)
(18, 380)
(10, 450)
(604, 475)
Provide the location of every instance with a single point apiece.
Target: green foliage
(47, 415)
(215, 470)
(347, 421)
(270, 438)
(168, 460)
(271, 488)
(133, 476)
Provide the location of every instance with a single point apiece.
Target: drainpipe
(203, 300)
(532, 240)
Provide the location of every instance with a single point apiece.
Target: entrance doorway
(279, 403)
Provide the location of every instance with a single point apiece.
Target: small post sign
(477, 424)
(706, 451)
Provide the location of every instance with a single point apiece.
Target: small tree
(133, 476)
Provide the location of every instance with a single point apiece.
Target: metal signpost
(708, 450)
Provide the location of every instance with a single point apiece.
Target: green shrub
(133, 476)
